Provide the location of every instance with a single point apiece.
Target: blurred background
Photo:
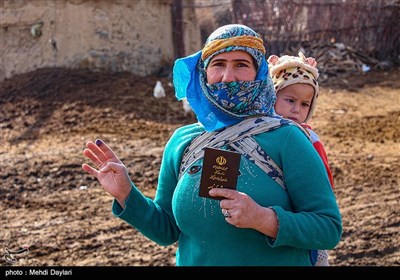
(144, 37)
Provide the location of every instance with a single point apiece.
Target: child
(296, 86)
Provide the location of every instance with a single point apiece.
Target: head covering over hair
(233, 37)
(189, 78)
(288, 70)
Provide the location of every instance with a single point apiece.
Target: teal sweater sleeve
(154, 217)
(307, 210)
(313, 220)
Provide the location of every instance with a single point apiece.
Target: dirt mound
(63, 216)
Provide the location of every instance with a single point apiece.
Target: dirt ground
(63, 216)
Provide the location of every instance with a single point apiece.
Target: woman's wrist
(268, 222)
(122, 199)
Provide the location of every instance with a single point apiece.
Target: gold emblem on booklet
(220, 170)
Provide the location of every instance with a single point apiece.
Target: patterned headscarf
(223, 104)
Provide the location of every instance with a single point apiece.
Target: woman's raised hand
(112, 173)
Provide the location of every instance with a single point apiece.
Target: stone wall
(119, 35)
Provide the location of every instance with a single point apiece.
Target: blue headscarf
(190, 82)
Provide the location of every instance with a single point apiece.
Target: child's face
(293, 102)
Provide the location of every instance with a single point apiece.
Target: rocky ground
(64, 218)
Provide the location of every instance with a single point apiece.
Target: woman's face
(230, 67)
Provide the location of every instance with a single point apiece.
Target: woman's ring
(226, 213)
(98, 166)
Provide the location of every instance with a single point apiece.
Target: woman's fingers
(100, 155)
(90, 170)
(90, 155)
(106, 150)
(226, 193)
(112, 167)
(97, 152)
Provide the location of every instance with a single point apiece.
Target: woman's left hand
(111, 172)
(242, 211)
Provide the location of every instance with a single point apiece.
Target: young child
(296, 87)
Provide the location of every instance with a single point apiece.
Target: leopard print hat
(288, 70)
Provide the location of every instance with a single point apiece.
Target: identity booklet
(220, 170)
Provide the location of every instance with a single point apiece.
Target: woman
(281, 208)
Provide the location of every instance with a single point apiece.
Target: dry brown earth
(50, 205)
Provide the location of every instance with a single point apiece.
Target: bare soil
(63, 216)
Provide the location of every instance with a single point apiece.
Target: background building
(138, 36)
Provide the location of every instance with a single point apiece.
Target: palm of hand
(115, 179)
(112, 173)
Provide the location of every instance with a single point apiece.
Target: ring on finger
(226, 213)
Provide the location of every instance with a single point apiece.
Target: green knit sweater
(307, 210)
